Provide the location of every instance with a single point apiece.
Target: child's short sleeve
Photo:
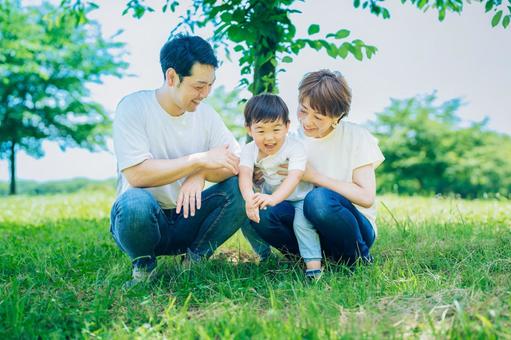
(367, 150)
(297, 155)
(248, 155)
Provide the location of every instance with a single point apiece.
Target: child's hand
(252, 213)
(263, 200)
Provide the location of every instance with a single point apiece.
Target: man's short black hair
(265, 107)
(183, 51)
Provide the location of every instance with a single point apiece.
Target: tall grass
(443, 269)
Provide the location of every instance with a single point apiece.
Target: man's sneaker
(313, 274)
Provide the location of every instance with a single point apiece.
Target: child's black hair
(265, 107)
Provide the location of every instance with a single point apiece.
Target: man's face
(191, 90)
(269, 136)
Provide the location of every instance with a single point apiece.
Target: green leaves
(313, 29)
(287, 59)
(340, 34)
(496, 18)
(506, 20)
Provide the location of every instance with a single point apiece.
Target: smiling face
(269, 136)
(188, 92)
(315, 124)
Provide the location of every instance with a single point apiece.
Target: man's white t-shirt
(346, 148)
(292, 153)
(143, 130)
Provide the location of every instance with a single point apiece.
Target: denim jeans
(306, 235)
(345, 234)
(143, 230)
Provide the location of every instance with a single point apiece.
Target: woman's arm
(361, 192)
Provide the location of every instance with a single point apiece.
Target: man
(167, 143)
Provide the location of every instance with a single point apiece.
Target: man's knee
(135, 206)
(232, 191)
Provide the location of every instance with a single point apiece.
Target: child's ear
(248, 131)
(288, 124)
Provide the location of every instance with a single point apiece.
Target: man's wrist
(198, 160)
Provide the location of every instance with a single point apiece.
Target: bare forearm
(355, 193)
(288, 186)
(245, 183)
(217, 176)
(156, 172)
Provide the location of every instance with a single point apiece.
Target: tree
(427, 151)
(262, 31)
(46, 61)
(229, 105)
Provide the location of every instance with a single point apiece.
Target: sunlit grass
(443, 268)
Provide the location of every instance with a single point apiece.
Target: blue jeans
(345, 234)
(143, 230)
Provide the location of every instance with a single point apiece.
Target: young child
(267, 122)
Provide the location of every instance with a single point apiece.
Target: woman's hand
(310, 174)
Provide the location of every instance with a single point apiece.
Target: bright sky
(460, 57)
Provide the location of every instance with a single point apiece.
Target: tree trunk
(265, 55)
(12, 164)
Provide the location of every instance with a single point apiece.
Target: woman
(342, 158)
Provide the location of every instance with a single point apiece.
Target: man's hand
(221, 157)
(263, 200)
(190, 195)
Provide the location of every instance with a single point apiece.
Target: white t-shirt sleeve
(366, 150)
(219, 135)
(131, 143)
(297, 155)
(248, 155)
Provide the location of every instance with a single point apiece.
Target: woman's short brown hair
(327, 92)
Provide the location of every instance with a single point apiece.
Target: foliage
(264, 34)
(427, 151)
(230, 107)
(61, 276)
(46, 61)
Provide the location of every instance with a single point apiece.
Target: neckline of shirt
(179, 118)
(271, 156)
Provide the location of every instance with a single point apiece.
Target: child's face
(314, 124)
(269, 136)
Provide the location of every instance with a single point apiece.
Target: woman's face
(314, 124)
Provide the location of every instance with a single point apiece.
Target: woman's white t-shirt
(143, 130)
(348, 147)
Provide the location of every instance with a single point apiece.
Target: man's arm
(157, 172)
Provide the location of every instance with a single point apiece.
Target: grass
(443, 269)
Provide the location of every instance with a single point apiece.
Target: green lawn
(443, 268)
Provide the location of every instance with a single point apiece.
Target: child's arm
(245, 183)
(284, 190)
